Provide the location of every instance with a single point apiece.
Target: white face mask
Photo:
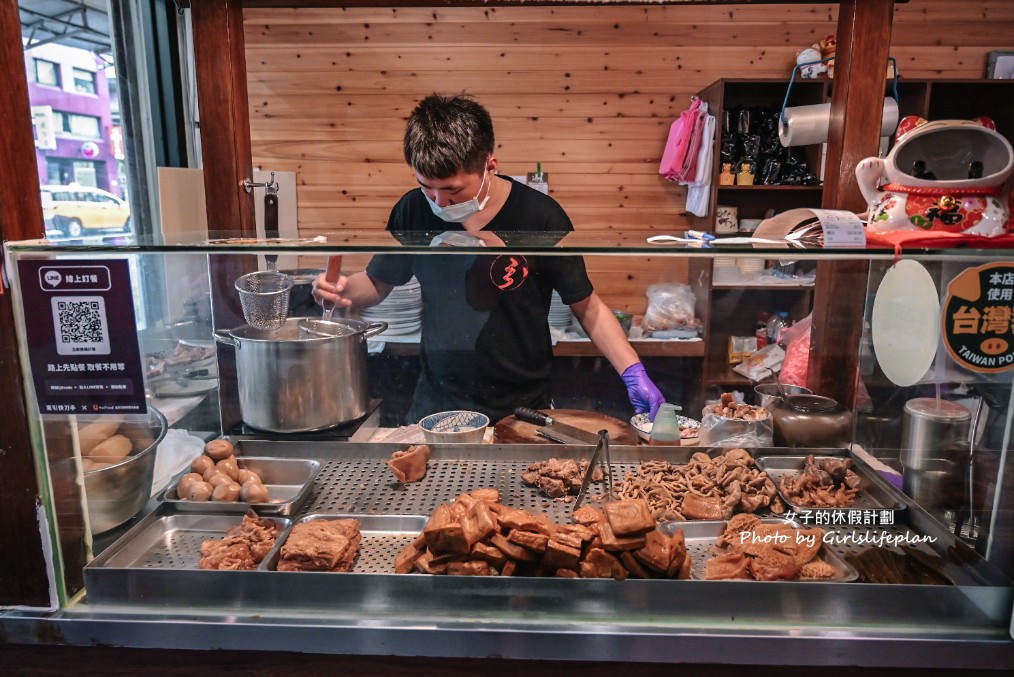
(461, 212)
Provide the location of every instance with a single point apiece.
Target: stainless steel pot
(290, 384)
(118, 492)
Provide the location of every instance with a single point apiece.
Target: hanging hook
(271, 186)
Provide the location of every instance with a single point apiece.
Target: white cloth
(699, 191)
(176, 452)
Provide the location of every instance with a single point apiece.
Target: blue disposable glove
(643, 394)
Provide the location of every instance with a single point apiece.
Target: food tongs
(601, 452)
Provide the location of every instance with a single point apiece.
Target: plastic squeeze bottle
(665, 431)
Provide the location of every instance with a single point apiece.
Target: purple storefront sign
(82, 336)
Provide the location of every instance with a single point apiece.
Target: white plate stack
(560, 314)
(725, 272)
(402, 310)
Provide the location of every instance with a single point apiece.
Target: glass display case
(141, 358)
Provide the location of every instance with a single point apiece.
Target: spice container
(933, 430)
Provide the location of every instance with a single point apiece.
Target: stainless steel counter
(734, 622)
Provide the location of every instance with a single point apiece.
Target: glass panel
(47, 73)
(84, 81)
(946, 499)
(76, 125)
(84, 125)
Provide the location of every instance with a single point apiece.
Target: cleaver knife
(554, 430)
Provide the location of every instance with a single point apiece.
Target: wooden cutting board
(512, 431)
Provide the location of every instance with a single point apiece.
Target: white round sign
(906, 323)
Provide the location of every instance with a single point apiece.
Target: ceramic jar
(810, 421)
(947, 175)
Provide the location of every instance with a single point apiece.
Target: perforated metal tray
(166, 541)
(289, 483)
(701, 535)
(384, 536)
(874, 493)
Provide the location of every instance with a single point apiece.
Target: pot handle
(225, 336)
(373, 329)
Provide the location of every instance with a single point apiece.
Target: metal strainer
(264, 296)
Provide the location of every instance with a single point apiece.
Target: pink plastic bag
(796, 340)
(679, 159)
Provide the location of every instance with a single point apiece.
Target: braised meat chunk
(558, 477)
(824, 483)
(410, 465)
(473, 537)
(751, 549)
(321, 545)
(244, 546)
(707, 487)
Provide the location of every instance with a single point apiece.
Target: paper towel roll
(806, 125)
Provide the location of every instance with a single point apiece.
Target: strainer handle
(225, 336)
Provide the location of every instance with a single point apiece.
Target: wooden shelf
(726, 376)
(587, 348)
(643, 348)
(763, 287)
(763, 187)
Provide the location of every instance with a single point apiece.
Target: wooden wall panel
(588, 91)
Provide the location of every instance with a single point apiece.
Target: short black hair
(448, 134)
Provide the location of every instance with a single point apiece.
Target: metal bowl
(118, 492)
(460, 426)
(769, 392)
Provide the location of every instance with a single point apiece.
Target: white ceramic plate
(906, 323)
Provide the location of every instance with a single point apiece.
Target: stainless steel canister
(292, 384)
(933, 430)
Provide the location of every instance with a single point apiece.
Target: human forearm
(605, 332)
(358, 290)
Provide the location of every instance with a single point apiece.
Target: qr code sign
(81, 325)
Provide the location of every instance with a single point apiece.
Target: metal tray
(701, 535)
(384, 536)
(169, 541)
(874, 493)
(289, 483)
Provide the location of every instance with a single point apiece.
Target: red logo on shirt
(509, 272)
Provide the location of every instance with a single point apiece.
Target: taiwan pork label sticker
(82, 336)
(978, 318)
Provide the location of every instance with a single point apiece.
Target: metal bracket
(271, 186)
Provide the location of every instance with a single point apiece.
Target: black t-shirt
(485, 334)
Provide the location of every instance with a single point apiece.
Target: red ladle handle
(334, 269)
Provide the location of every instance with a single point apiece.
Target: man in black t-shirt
(485, 335)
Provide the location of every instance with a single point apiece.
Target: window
(47, 73)
(84, 81)
(74, 124)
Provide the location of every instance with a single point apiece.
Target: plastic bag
(679, 157)
(796, 365)
(718, 431)
(762, 364)
(670, 307)
(796, 340)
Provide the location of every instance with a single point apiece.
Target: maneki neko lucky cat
(947, 175)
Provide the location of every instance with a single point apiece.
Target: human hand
(643, 394)
(328, 292)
